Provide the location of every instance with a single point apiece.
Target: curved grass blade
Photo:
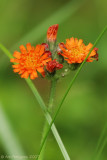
(101, 143)
(44, 108)
(101, 149)
(49, 119)
(70, 85)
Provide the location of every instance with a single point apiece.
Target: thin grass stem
(70, 85)
(101, 138)
(101, 143)
(5, 50)
(101, 149)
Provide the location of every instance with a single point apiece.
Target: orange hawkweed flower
(52, 32)
(75, 51)
(30, 61)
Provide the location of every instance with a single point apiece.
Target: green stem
(6, 51)
(44, 108)
(49, 119)
(101, 138)
(71, 83)
(50, 106)
(52, 93)
(41, 156)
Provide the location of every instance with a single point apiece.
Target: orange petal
(93, 53)
(16, 70)
(45, 61)
(33, 75)
(76, 40)
(22, 49)
(25, 75)
(72, 40)
(29, 47)
(16, 66)
(38, 47)
(44, 56)
(21, 71)
(89, 46)
(42, 50)
(40, 69)
(80, 42)
(12, 60)
(62, 47)
(17, 54)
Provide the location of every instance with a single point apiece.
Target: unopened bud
(52, 33)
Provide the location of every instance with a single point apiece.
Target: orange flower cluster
(33, 60)
(30, 61)
(75, 51)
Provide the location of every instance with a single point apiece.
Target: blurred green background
(84, 112)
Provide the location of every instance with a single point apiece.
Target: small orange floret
(30, 61)
(52, 32)
(75, 51)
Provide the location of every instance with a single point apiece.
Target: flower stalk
(44, 109)
(50, 107)
(49, 119)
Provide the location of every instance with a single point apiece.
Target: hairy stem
(50, 106)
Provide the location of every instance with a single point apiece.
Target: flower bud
(52, 33)
(53, 66)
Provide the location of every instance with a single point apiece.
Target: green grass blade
(5, 50)
(101, 138)
(8, 137)
(49, 119)
(101, 149)
(44, 108)
(45, 127)
(72, 82)
(101, 143)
